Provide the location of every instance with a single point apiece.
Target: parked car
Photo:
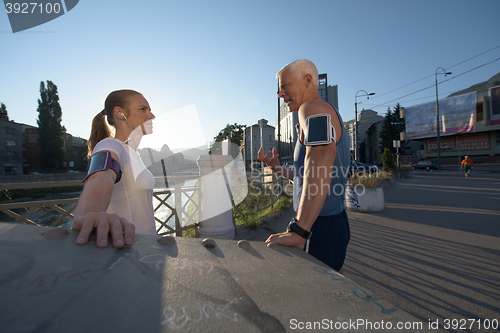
(361, 168)
(425, 165)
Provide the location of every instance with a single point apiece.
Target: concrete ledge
(50, 284)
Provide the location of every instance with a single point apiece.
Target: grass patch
(248, 217)
(189, 232)
(370, 180)
(252, 220)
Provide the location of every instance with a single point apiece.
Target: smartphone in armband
(102, 161)
(319, 130)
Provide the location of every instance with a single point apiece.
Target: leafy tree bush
(388, 161)
(234, 133)
(392, 125)
(52, 133)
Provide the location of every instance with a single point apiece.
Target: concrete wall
(166, 284)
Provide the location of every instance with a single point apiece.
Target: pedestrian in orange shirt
(467, 165)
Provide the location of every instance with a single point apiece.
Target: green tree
(3, 111)
(388, 160)
(52, 133)
(234, 133)
(391, 127)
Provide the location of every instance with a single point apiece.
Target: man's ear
(308, 79)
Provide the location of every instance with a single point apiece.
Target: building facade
(256, 136)
(11, 147)
(481, 144)
(32, 160)
(288, 133)
(20, 150)
(366, 118)
(76, 152)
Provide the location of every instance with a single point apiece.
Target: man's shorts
(467, 168)
(329, 239)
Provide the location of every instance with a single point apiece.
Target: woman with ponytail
(117, 195)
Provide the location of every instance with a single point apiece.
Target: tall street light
(443, 71)
(356, 157)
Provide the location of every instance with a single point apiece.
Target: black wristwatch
(294, 227)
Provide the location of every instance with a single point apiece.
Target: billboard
(456, 115)
(495, 105)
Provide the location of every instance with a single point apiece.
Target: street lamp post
(437, 116)
(244, 153)
(356, 157)
(279, 122)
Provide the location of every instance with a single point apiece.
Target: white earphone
(123, 116)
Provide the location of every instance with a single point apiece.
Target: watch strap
(295, 228)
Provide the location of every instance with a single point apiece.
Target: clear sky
(218, 59)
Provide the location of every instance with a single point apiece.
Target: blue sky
(222, 56)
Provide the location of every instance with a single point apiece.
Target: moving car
(425, 165)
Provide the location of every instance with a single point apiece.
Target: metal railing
(185, 211)
(13, 209)
(171, 217)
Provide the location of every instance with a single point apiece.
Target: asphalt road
(435, 250)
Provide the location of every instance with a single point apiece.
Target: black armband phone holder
(102, 161)
(319, 130)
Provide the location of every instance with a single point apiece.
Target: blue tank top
(334, 202)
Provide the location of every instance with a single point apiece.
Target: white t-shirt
(132, 196)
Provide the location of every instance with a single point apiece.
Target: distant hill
(192, 153)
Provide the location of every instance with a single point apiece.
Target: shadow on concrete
(251, 251)
(434, 251)
(427, 276)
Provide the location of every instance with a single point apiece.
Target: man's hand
(122, 231)
(287, 238)
(271, 161)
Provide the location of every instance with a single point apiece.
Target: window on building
(8, 169)
(270, 137)
(32, 138)
(322, 93)
(10, 143)
(10, 130)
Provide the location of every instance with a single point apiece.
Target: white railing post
(178, 207)
(216, 216)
